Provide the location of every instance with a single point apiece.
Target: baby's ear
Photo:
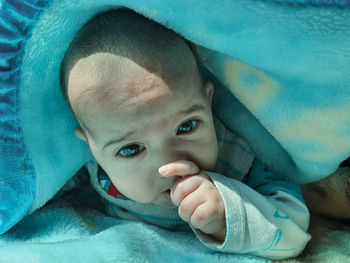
(80, 134)
(209, 90)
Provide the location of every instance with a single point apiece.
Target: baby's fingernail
(163, 170)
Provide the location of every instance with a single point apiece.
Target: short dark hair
(122, 32)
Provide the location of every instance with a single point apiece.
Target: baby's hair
(122, 32)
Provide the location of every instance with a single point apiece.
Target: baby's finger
(184, 187)
(179, 168)
(207, 219)
(189, 203)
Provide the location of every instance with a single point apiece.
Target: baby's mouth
(167, 195)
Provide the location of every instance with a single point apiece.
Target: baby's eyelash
(193, 128)
(129, 154)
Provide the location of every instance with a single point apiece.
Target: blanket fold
(280, 70)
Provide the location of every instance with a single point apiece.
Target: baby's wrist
(220, 235)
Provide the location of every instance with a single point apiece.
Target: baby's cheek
(133, 187)
(139, 194)
(214, 153)
(209, 155)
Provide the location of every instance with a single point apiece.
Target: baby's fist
(199, 201)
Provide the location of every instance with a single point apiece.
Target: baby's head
(136, 91)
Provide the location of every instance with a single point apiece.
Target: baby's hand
(199, 201)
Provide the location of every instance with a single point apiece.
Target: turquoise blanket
(71, 228)
(281, 73)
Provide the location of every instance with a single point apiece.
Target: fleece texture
(280, 70)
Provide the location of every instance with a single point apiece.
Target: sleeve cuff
(235, 219)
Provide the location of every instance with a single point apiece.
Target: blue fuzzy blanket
(71, 228)
(281, 75)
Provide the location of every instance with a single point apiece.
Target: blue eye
(130, 150)
(187, 127)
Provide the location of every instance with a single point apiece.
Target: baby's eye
(187, 127)
(130, 150)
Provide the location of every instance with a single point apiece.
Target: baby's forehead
(103, 72)
(98, 75)
(105, 81)
(102, 68)
(94, 70)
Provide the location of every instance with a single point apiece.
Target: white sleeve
(271, 226)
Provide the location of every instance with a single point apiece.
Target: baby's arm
(288, 213)
(268, 220)
(265, 215)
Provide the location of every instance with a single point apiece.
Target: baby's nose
(175, 155)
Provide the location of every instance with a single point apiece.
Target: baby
(160, 155)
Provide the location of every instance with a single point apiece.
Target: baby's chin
(163, 199)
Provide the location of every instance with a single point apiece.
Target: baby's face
(142, 123)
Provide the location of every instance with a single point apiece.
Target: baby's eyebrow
(113, 141)
(191, 109)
